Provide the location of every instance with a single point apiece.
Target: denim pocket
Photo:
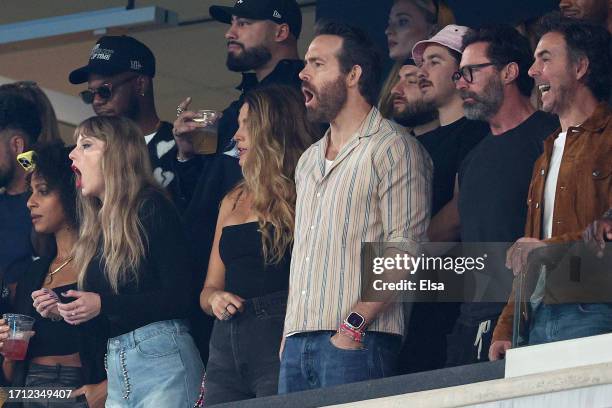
(591, 308)
(362, 349)
(161, 345)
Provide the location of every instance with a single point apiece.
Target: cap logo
(135, 65)
(276, 14)
(101, 53)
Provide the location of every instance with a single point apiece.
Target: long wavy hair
(113, 224)
(280, 133)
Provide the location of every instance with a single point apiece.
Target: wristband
(348, 331)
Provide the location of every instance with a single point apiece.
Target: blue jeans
(243, 361)
(157, 365)
(311, 361)
(569, 321)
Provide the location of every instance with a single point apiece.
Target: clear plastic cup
(205, 139)
(20, 330)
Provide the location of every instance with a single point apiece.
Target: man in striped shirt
(365, 181)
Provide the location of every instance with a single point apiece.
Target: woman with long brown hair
(134, 270)
(248, 273)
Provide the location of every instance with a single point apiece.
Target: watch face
(355, 320)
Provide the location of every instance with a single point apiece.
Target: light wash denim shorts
(157, 365)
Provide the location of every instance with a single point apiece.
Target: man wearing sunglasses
(19, 129)
(119, 77)
(494, 178)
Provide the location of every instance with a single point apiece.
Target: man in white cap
(438, 58)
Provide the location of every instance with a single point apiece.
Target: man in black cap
(119, 79)
(262, 37)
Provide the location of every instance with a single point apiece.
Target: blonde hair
(280, 133)
(114, 224)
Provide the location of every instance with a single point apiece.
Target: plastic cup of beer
(205, 138)
(20, 330)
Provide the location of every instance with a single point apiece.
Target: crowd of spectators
(477, 135)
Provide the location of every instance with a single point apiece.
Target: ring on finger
(179, 110)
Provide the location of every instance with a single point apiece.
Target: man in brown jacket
(571, 185)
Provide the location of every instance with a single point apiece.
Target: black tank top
(54, 338)
(246, 273)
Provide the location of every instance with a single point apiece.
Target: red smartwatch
(353, 327)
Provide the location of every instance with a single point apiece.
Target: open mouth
(241, 151)
(308, 95)
(35, 218)
(77, 173)
(544, 88)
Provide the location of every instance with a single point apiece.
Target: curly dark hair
(506, 45)
(585, 40)
(53, 165)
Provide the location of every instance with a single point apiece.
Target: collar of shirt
(285, 71)
(369, 126)
(596, 123)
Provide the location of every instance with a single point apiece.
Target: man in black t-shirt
(438, 58)
(494, 178)
(261, 37)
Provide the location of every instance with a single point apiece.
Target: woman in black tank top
(248, 273)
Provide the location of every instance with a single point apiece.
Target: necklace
(49, 278)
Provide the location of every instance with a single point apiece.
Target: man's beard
(331, 99)
(487, 104)
(415, 114)
(248, 59)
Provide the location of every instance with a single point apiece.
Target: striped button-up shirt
(378, 189)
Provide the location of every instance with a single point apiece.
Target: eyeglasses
(27, 160)
(105, 91)
(467, 72)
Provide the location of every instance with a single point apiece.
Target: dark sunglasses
(467, 72)
(105, 91)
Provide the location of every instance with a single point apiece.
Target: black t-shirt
(448, 146)
(165, 288)
(493, 183)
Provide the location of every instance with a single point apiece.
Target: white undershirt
(550, 187)
(150, 137)
(328, 164)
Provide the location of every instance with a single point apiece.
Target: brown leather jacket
(584, 191)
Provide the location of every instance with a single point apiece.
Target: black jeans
(43, 376)
(243, 361)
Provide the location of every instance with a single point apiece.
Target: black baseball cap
(115, 54)
(278, 11)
